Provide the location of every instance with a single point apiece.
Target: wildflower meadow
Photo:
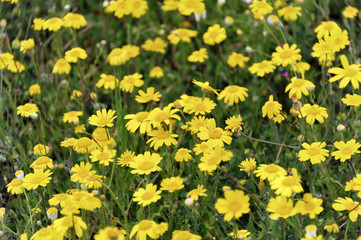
(180, 119)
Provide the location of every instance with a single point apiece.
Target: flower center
(286, 54)
(351, 72)
(141, 116)
(103, 156)
(309, 206)
(271, 169)
(161, 117)
(234, 206)
(346, 151)
(215, 133)
(147, 196)
(289, 181)
(163, 135)
(313, 110)
(313, 151)
(103, 121)
(298, 83)
(146, 166)
(84, 142)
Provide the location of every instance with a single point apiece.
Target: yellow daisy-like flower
(107, 81)
(184, 235)
(130, 81)
(74, 20)
(214, 135)
(353, 208)
(286, 55)
(16, 67)
(214, 35)
(148, 96)
(233, 94)
(345, 150)
(301, 67)
(196, 193)
(205, 86)
(181, 34)
(27, 109)
(74, 54)
(347, 73)
(27, 45)
(53, 24)
(103, 118)
(211, 160)
(187, 7)
(325, 28)
(198, 106)
(84, 145)
(36, 179)
(34, 89)
(42, 163)
(352, 100)
(62, 67)
(350, 12)
(170, 5)
(15, 186)
(158, 116)
(47, 233)
(332, 228)
(260, 8)
(202, 148)
(198, 56)
(285, 185)
(72, 116)
(156, 72)
(160, 137)
(119, 7)
(146, 164)
(40, 150)
(81, 172)
(281, 207)
(237, 59)
(271, 108)
(140, 121)
(309, 205)
(248, 165)
(148, 195)
(314, 152)
(195, 124)
(290, 13)
(298, 86)
(235, 204)
(5, 60)
(241, 234)
(144, 229)
(104, 156)
(110, 233)
(38, 24)
(183, 155)
(338, 39)
(269, 171)
(262, 68)
(137, 7)
(156, 45)
(234, 123)
(172, 184)
(312, 113)
(70, 142)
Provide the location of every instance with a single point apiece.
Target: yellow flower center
(313, 151)
(351, 72)
(215, 133)
(163, 135)
(145, 166)
(213, 160)
(286, 54)
(289, 181)
(346, 151)
(28, 108)
(136, 4)
(262, 65)
(37, 180)
(103, 121)
(298, 83)
(103, 156)
(75, 54)
(309, 206)
(200, 107)
(141, 116)
(82, 173)
(213, 34)
(234, 206)
(271, 169)
(162, 116)
(145, 225)
(313, 110)
(16, 183)
(147, 195)
(42, 160)
(284, 210)
(83, 142)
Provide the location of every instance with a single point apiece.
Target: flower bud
(19, 174)
(341, 128)
(52, 213)
(189, 202)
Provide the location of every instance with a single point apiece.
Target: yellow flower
(195, 124)
(40, 150)
(62, 225)
(172, 184)
(126, 158)
(269, 171)
(146, 164)
(345, 150)
(143, 229)
(338, 39)
(314, 152)
(181, 34)
(42, 163)
(198, 56)
(248, 165)
(34, 89)
(147, 196)
(156, 72)
(27, 45)
(235, 204)
(62, 66)
(187, 7)
(84, 145)
(119, 56)
(170, 5)
(16, 67)
(233, 94)
(47, 233)
(210, 160)
(72, 116)
(130, 81)
(298, 86)
(352, 100)
(242, 234)
(156, 45)
(103, 118)
(110, 233)
(74, 54)
(158, 116)
(104, 157)
(5, 60)
(107, 81)
(27, 109)
(353, 208)
(347, 73)
(281, 207)
(38, 24)
(286, 55)
(290, 13)
(271, 108)
(214, 135)
(237, 59)
(196, 193)
(350, 12)
(184, 235)
(309, 205)
(260, 8)
(148, 96)
(137, 7)
(214, 35)
(69, 142)
(74, 20)
(234, 123)
(183, 154)
(205, 86)
(15, 186)
(312, 113)
(332, 228)
(160, 137)
(285, 185)
(325, 28)
(119, 7)
(53, 24)
(81, 172)
(140, 121)
(198, 106)
(36, 179)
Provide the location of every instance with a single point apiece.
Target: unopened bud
(341, 128)
(189, 202)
